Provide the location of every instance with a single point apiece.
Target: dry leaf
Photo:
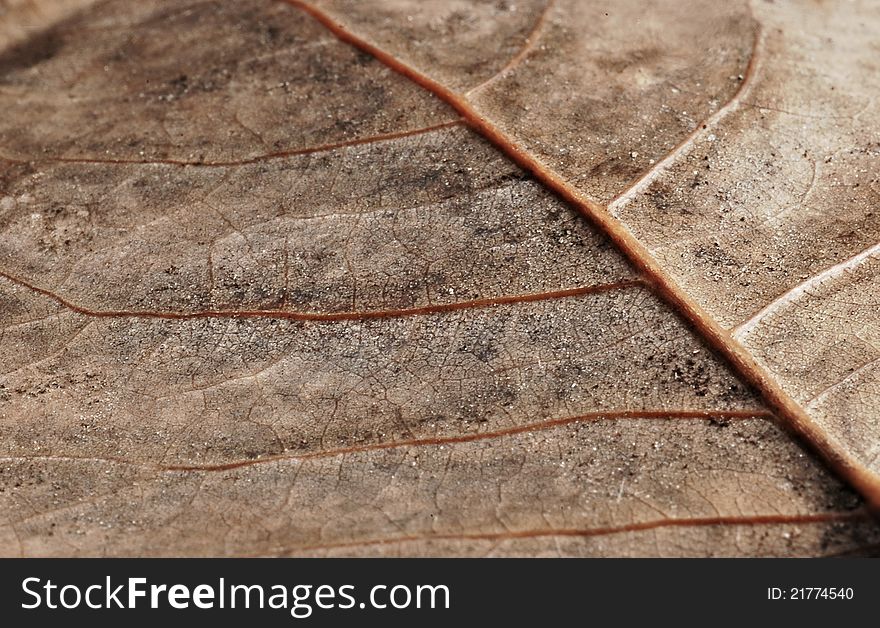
(262, 292)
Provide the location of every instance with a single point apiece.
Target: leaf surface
(266, 295)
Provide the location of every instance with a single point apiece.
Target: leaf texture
(267, 295)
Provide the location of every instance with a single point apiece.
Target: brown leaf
(261, 293)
